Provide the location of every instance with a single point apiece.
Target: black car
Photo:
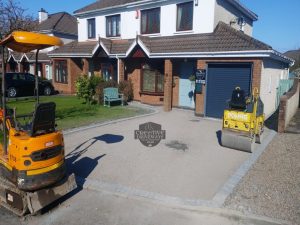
(23, 84)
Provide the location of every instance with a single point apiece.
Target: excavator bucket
(39, 199)
(20, 202)
(235, 140)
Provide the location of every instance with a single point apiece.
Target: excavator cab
(32, 157)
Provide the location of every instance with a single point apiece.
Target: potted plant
(192, 79)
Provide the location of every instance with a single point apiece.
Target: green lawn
(71, 112)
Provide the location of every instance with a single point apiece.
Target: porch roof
(42, 56)
(75, 49)
(225, 41)
(30, 56)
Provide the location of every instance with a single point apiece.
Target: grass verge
(71, 112)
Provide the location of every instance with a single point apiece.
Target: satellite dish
(241, 23)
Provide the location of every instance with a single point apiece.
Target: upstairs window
(91, 28)
(184, 16)
(113, 26)
(150, 21)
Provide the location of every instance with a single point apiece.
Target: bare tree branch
(13, 17)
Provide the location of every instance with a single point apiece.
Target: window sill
(184, 32)
(114, 37)
(60, 82)
(152, 93)
(152, 35)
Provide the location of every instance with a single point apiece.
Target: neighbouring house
(62, 25)
(160, 45)
(294, 54)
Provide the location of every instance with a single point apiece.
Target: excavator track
(12, 198)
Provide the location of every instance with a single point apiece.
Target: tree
(14, 17)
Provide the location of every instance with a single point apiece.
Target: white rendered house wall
(203, 19)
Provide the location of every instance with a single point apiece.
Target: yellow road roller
(243, 121)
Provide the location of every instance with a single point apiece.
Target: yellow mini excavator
(32, 157)
(243, 121)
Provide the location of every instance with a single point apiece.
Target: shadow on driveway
(84, 166)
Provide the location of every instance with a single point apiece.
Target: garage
(221, 80)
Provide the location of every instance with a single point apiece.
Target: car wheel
(47, 91)
(12, 92)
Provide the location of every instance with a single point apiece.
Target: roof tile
(60, 22)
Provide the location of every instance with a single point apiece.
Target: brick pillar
(85, 66)
(121, 69)
(21, 67)
(8, 69)
(168, 85)
(199, 107)
(256, 74)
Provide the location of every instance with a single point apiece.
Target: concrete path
(92, 207)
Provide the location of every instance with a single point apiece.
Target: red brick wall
(168, 85)
(74, 68)
(121, 68)
(134, 77)
(152, 99)
(202, 64)
(85, 66)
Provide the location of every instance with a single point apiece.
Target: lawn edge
(113, 121)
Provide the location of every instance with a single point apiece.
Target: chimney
(43, 15)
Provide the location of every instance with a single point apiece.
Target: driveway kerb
(211, 211)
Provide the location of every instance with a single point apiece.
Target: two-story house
(159, 45)
(62, 25)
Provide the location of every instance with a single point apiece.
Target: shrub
(126, 88)
(104, 84)
(86, 87)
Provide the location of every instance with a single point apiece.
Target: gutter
(69, 55)
(229, 54)
(244, 54)
(235, 3)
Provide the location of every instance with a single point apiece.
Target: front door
(186, 87)
(48, 72)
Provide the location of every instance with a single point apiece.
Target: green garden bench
(112, 95)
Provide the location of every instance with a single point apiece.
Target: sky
(278, 24)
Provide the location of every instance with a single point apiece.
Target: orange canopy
(22, 41)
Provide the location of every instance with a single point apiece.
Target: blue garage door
(221, 80)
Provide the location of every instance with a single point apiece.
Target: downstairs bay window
(152, 81)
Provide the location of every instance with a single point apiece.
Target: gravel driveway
(272, 187)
